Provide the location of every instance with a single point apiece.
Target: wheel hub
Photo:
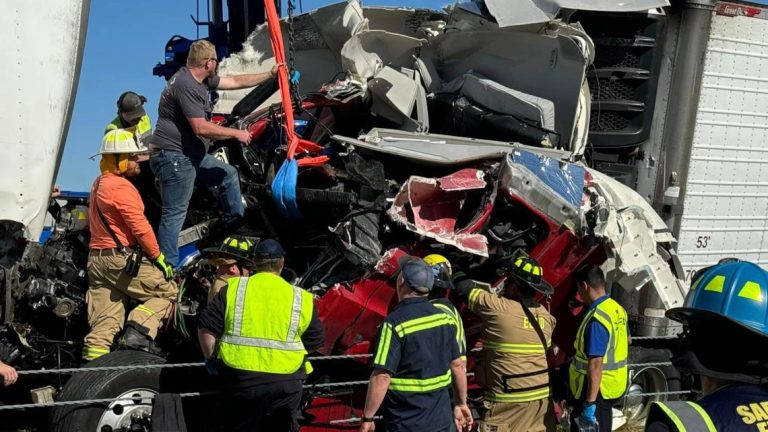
(131, 412)
(645, 380)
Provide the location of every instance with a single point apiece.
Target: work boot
(136, 337)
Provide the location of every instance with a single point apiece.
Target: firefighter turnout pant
(110, 290)
(533, 416)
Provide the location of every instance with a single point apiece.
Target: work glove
(462, 284)
(164, 267)
(295, 77)
(588, 415)
(210, 366)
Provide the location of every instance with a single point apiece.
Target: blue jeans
(177, 174)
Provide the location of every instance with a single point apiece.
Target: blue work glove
(588, 415)
(295, 77)
(164, 267)
(210, 366)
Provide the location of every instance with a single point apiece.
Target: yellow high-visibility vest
(141, 131)
(263, 324)
(615, 372)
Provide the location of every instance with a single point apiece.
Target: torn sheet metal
(427, 208)
(565, 179)
(465, 179)
(638, 243)
(364, 54)
(552, 187)
(520, 12)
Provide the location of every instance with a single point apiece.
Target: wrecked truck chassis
(391, 191)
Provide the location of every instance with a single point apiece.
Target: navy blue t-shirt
(417, 344)
(596, 337)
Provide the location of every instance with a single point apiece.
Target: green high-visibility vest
(615, 372)
(141, 131)
(263, 324)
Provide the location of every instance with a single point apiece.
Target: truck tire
(648, 379)
(139, 384)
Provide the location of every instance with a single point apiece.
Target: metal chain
(666, 393)
(639, 338)
(650, 364)
(291, 45)
(201, 364)
(201, 394)
(183, 395)
(164, 365)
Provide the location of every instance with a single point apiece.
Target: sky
(122, 46)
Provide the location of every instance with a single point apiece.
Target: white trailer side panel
(43, 51)
(726, 202)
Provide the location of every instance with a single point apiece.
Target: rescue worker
(416, 360)
(264, 327)
(132, 117)
(725, 315)
(443, 272)
(181, 140)
(598, 374)
(517, 333)
(8, 374)
(118, 229)
(233, 258)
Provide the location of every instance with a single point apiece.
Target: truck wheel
(135, 388)
(648, 379)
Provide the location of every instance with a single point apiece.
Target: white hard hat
(120, 141)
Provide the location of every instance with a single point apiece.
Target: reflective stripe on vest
(687, 416)
(264, 320)
(423, 323)
(454, 315)
(420, 385)
(141, 131)
(615, 372)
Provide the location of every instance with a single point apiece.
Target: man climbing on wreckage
(124, 261)
(181, 140)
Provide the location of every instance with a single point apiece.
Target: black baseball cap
(268, 249)
(130, 106)
(418, 276)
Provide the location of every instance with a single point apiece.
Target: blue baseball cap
(268, 249)
(418, 276)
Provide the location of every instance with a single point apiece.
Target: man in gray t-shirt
(181, 140)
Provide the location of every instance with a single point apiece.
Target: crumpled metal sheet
(564, 178)
(426, 207)
(520, 12)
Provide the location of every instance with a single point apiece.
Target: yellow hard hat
(433, 259)
(442, 269)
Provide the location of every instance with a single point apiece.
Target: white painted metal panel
(726, 203)
(43, 42)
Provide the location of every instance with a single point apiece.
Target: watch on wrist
(367, 419)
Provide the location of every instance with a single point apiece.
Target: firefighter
(598, 374)
(416, 360)
(725, 316)
(232, 258)
(255, 335)
(517, 333)
(117, 272)
(443, 272)
(132, 117)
